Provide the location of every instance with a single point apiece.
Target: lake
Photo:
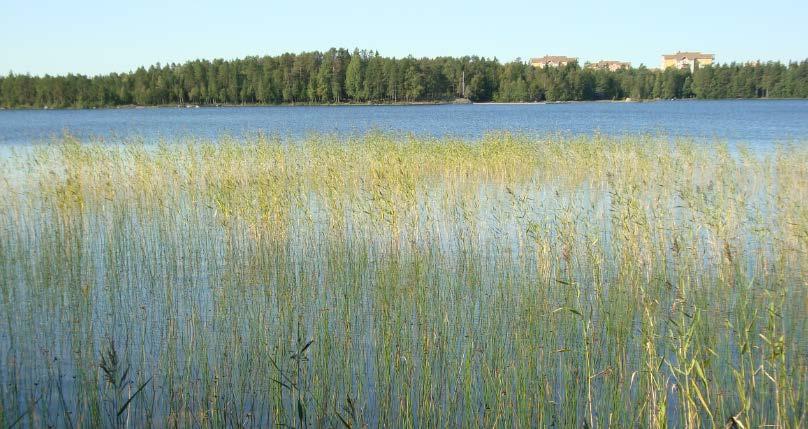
(406, 282)
(756, 122)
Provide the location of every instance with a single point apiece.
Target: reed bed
(395, 281)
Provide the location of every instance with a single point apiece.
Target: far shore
(376, 104)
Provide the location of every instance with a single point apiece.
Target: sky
(98, 37)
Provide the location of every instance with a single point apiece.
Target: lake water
(476, 290)
(754, 122)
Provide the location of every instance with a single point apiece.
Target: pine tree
(353, 77)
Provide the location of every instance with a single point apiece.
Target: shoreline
(413, 103)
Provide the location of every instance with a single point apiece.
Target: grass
(404, 282)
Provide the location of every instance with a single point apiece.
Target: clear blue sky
(93, 37)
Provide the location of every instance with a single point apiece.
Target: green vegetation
(391, 281)
(338, 76)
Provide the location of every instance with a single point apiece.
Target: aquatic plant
(404, 281)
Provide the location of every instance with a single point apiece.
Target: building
(610, 65)
(687, 60)
(552, 61)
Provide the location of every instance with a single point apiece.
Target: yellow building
(687, 60)
(552, 61)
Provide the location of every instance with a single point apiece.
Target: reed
(404, 281)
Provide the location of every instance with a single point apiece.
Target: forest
(363, 76)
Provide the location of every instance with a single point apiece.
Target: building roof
(553, 59)
(689, 56)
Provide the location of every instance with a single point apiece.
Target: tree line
(341, 76)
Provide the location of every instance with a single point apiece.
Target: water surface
(754, 122)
